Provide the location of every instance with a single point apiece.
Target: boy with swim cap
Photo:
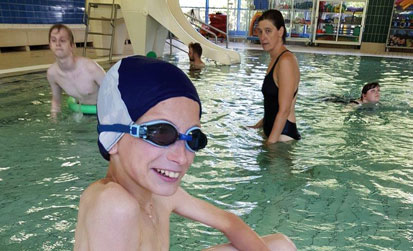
(149, 130)
(79, 77)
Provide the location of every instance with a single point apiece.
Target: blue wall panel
(261, 4)
(41, 11)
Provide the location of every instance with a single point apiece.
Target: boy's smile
(160, 169)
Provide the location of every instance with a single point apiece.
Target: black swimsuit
(271, 107)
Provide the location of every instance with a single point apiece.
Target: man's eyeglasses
(161, 133)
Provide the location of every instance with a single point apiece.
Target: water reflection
(346, 183)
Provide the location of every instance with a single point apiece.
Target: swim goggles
(160, 133)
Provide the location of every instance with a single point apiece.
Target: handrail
(210, 26)
(177, 40)
(172, 45)
(208, 31)
(113, 14)
(87, 18)
(170, 37)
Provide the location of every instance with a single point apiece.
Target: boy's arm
(56, 94)
(238, 233)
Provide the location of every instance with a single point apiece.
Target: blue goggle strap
(185, 137)
(138, 131)
(134, 130)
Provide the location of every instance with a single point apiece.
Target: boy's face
(60, 43)
(372, 95)
(157, 169)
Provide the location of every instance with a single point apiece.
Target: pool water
(347, 185)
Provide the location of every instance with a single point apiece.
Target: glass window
(217, 4)
(192, 3)
(238, 16)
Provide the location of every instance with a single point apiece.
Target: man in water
(79, 77)
(149, 130)
(369, 94)
(195, 53)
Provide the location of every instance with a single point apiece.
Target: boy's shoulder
(52, 68)
(107, 210)
(355, 102)
(87, 62)
(108, 197)
(52, 73)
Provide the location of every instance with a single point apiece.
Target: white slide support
(148, 21)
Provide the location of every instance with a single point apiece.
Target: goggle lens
(199, 140)
(164, 134)
(161, 134)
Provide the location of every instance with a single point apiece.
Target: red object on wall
(218, 21)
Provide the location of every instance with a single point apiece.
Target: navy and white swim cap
(131, 87)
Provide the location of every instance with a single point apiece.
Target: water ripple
(348, 182)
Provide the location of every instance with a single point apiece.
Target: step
(99, 33)
(98, 48)
(100, 18)
(96, 5)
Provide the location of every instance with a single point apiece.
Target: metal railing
(87, 18)
(172, 45)
(210, 26)
(206, 30)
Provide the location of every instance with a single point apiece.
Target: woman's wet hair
(368, 87)
(276, 18)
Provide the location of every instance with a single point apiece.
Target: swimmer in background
(195, 53)
(370, 94)
(149, 130)
(79, 77)
(281, 82)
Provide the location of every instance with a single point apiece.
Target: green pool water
(347, 185)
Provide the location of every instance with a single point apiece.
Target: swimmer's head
(194, 48)
(133, 86)
(370, 93)
(59, 27)
(276, 18)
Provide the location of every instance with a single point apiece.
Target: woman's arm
(259, 124)
(287, 76)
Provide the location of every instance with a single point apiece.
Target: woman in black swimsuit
(281, 82)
